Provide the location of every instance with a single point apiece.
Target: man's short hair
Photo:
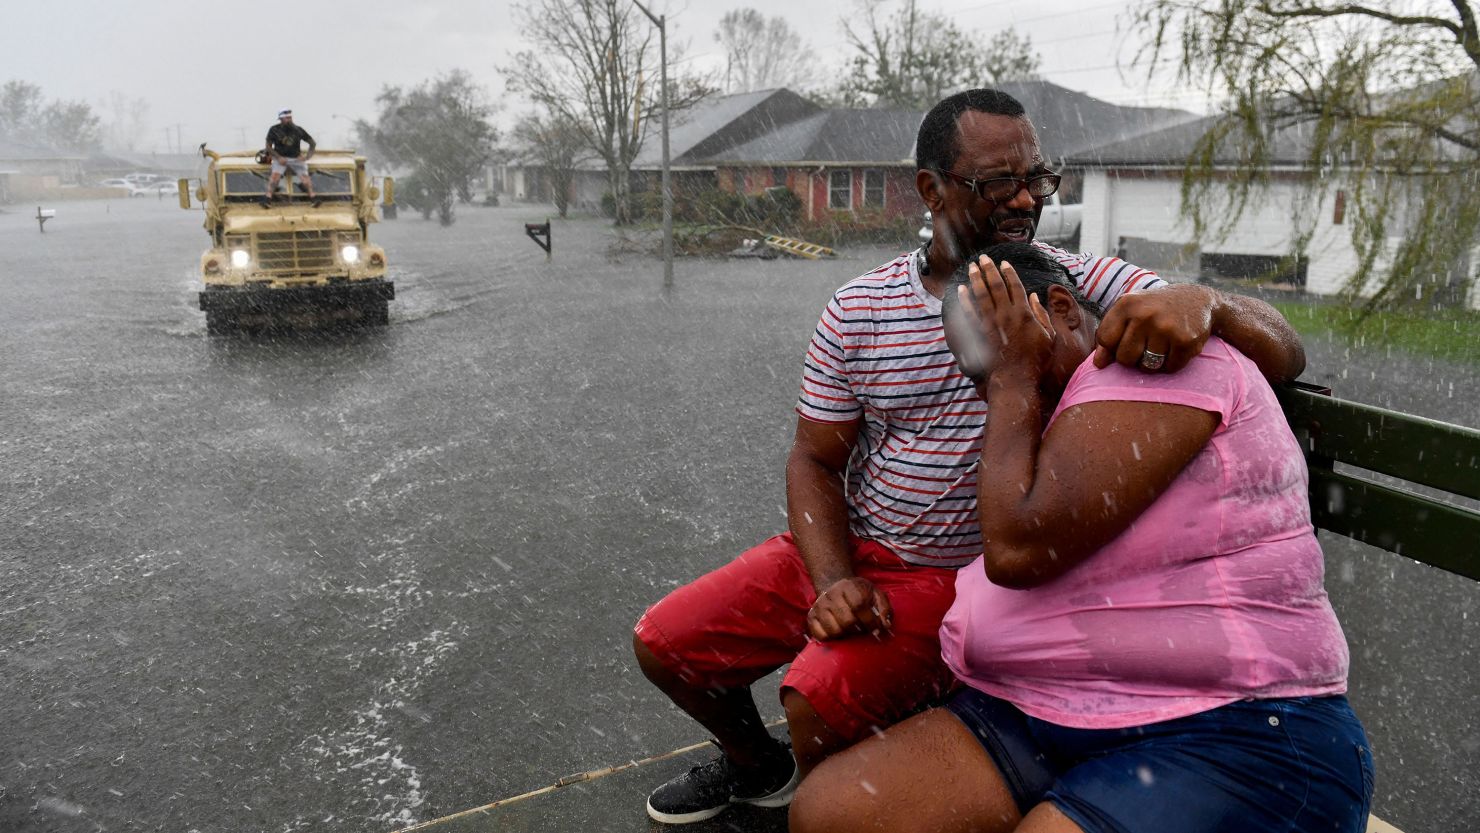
(936, 146)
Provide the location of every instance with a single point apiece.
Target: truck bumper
(263, 299)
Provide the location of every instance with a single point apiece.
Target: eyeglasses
(1004, 188)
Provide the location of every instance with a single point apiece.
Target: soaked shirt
(880, 352)
(1214, 594)
(286, 139)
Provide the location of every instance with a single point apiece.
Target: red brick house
(855, 161)
(833, 160)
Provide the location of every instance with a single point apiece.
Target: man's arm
(1175, 321)
(312, 145)
(817, 514)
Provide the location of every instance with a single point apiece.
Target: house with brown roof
(840, 160)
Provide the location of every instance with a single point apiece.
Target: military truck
(292, 260)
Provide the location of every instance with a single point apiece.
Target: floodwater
(348, 582)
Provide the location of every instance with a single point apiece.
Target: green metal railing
(1432, 518)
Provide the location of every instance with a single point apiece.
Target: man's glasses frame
(1003, 188)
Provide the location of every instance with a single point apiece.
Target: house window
(840, 190)
(873, 189)
(778, 177)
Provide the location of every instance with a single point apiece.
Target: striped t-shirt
(880, 352)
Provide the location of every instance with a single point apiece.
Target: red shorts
(748, 618)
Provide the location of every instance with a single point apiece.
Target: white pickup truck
(1059, 223)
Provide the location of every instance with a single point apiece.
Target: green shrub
(864, 226)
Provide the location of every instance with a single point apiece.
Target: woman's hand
(1014, 325)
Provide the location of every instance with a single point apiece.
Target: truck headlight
(240, 258)
(350, 254)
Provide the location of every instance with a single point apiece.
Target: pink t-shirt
(1214, 594)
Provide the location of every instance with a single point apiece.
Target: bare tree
(595, 63)
(762, 54)
(913, 58)
(1386, 101)
(126, 119)
(556, 142)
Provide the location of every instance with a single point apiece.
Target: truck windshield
(244, 184)
(334, 184)
(331, 183)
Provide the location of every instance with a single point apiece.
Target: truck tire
(220, 323)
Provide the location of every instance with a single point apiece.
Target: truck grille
(295, 251)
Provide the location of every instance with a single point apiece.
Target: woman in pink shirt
(1146, 644)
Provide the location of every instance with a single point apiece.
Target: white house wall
(1149, 206)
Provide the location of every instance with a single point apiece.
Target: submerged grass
(1449, 335)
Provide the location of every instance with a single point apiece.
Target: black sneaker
(713, 787)
(265, 202)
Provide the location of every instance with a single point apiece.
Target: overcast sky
(221, 71)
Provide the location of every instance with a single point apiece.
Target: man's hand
(1173, 321)
(852, 605)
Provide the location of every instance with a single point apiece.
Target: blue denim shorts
(1298, 764)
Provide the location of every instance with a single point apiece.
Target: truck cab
(292, 259)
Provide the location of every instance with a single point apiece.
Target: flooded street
(354, 581)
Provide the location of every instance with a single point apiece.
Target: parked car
(158, 190)
(1059, 223)
(140, 179)
(116, 183)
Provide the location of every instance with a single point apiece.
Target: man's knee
(813, 739)
(652, 667)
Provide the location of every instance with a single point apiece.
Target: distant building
(1133, 206)
(168, 165)
(29, 170)
(834, 160)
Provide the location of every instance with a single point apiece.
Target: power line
(1056, 16)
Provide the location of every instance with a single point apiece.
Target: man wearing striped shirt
(881, 489)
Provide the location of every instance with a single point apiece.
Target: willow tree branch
(1470, 39)
(1364, 11)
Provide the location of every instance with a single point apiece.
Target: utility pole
(173, 144)
(661, 22)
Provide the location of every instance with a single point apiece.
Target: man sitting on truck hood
(283, 141)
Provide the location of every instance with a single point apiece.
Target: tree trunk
(618, 178)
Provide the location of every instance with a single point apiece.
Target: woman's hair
(1035, 268)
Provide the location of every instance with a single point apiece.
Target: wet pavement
(354, 581)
